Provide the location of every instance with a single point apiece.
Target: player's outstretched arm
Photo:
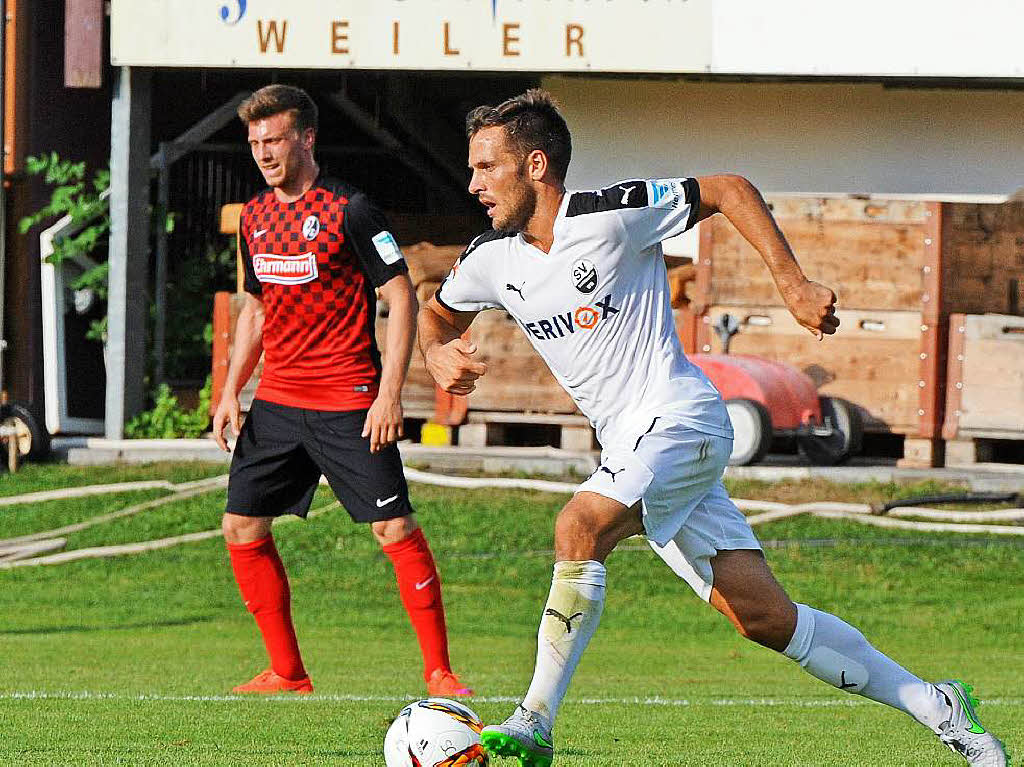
(812, 304)
(384, 419)
(245, 354)
(449, 357)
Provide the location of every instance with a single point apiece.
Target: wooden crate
(569, 432)
(517, 377)
(985, 392)
(983, 258)
(870, 253)
(872, 360)
(898, 262)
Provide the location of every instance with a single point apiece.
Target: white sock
(570, 618)
(837, 653)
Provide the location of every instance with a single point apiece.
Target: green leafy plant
(72, 195)
(167, 420)
(82, 199)
(194, 272)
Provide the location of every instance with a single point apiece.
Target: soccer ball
(436, 732)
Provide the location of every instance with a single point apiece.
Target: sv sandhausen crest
(584, 276)
(311, 227)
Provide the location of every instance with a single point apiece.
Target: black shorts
(282, 451)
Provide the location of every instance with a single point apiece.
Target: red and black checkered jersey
(315, 263)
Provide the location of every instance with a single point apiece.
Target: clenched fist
(452, 366)
(814, 306)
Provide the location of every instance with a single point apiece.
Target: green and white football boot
(522, 735)
(964, 734)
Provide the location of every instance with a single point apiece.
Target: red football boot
(269, 683)
(444, 684)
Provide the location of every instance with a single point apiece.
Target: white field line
(317, 698)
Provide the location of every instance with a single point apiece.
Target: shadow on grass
(43, 630)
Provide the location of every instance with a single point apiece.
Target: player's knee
(388, 531)
(577, 527)
(586, 533)
(239, 529)
(765, 624)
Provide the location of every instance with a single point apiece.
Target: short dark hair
(275, 99)
(531, 121)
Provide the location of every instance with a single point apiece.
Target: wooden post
(83, 43)
(701, 328)
(12, 452)
(926, 448)
(231, 223)
(221, 344)
(954, 376)
(15, 84)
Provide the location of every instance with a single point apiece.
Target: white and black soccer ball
(435, 732)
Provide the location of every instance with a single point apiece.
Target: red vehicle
(771, 399)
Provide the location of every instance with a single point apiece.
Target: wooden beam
(702, 289)
(203, 129)
(15, 76)
(934, 328)
(954, 376)
(222, 331)
(83, 43)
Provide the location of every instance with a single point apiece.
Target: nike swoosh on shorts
(386, 501)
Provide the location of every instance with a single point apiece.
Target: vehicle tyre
(752, 431)
(33, 440)
(845, 440)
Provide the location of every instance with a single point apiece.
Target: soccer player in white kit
(583, 275)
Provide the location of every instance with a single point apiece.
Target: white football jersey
(597, 307)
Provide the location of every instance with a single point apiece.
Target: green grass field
(128, 660)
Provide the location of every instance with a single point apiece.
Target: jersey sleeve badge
(387, 248)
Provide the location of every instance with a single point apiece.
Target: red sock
(420, 588)
(264, 585)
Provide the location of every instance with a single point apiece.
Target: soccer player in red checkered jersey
(315, 250)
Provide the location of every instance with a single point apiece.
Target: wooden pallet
(484, 428)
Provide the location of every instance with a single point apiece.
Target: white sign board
(869, 38)
(480, 35)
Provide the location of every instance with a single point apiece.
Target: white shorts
(688, 517)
